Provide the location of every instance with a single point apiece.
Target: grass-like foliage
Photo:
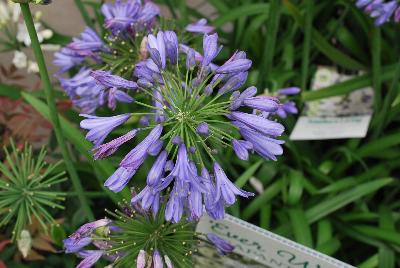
(26, 189)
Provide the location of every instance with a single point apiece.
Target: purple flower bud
(233, 83)
(157, 260)
(135, 158)
(362, 3)
(155, 148)
(190, 59)
(168, 262)
(241, 148)
(117, 181)
(289, 91)
(265, 126)
(141, 259)
(177, 140)
(149, 198)
(210, 48)
(100, 127)
(109, 148)
(225, 189)
(263, 145)
(171, 45)
(192, 149)
(72, 245)
(200, 27)
(397, 15)
(88, 228)
(235, 66)
(262, 103)
(203, 129)
(112, 81)
(144, 121)
(156, 48)
(169, 166)
(222, 245)
(208, 90)
(90, 258)
(144, 83)
(115, 95)
(157, 169)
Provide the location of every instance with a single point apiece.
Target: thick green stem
(48, 90)
(84, 13)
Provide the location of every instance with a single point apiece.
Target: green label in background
(256, 248)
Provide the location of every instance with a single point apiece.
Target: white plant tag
(338, 117)
(257, 247)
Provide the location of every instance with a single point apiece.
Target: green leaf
(10, 91)
(301, 228)
(239, 12)
(321, 44)
(347, 86)
(272, 191)
(242, 180)
(340, 200)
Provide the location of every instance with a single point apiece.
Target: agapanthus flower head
(193, 116)
(124, 242)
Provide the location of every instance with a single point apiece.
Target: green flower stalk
(26, 189)
(48, 90)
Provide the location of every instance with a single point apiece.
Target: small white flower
(25, 243)
(33, 67)
(23, 34)
(46, 33)
(20, 60)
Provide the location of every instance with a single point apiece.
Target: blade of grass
(340, 200)
(301, 228)
(306, 43)
(322, 44)
(48, 89)
(272, 191)
(242, 180)
(269, 48)
(347, 86)
(376, 66)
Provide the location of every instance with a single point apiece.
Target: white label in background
(264, 247)
(338, 117)
(322, 128)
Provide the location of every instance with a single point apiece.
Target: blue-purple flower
(67, 58)
(380, 10)
(129, 15)
(87, 44)
(100, 127)
(200, 26)
(220, 244)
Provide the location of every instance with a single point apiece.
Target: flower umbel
(192, 116)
